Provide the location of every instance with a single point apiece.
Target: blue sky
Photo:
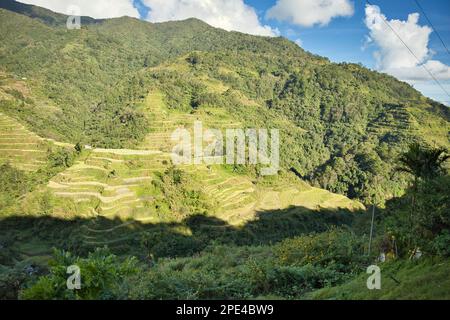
(343, 38)
(342, 30)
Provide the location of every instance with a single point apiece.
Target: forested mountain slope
(342, 125)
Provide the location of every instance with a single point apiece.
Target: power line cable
(431, 24)
(418, 60)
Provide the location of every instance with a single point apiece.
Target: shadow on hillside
(32, 236)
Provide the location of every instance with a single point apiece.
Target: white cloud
(226, 14)
(98, 9)
(393, 57)
(308, 13)
(299, 42)
(417, 73)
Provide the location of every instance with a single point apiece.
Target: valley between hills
(87, 177)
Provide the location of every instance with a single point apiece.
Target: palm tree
(423, 162)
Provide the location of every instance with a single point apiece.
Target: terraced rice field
(393, 118)
(244, 205)
(112, 182)
(19, 146)
(117, 186)
(117, 183)
(164, 122)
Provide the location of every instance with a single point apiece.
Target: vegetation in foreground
(415, 280)
(328, 258)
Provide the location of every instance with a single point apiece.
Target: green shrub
(101, 276)
(179, 194)
(337, 249)
(441, 244)
(14, 183)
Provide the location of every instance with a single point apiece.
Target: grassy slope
(19, 146)
(425, 280)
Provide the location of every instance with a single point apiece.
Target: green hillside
(427, 280)
(343, 124)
